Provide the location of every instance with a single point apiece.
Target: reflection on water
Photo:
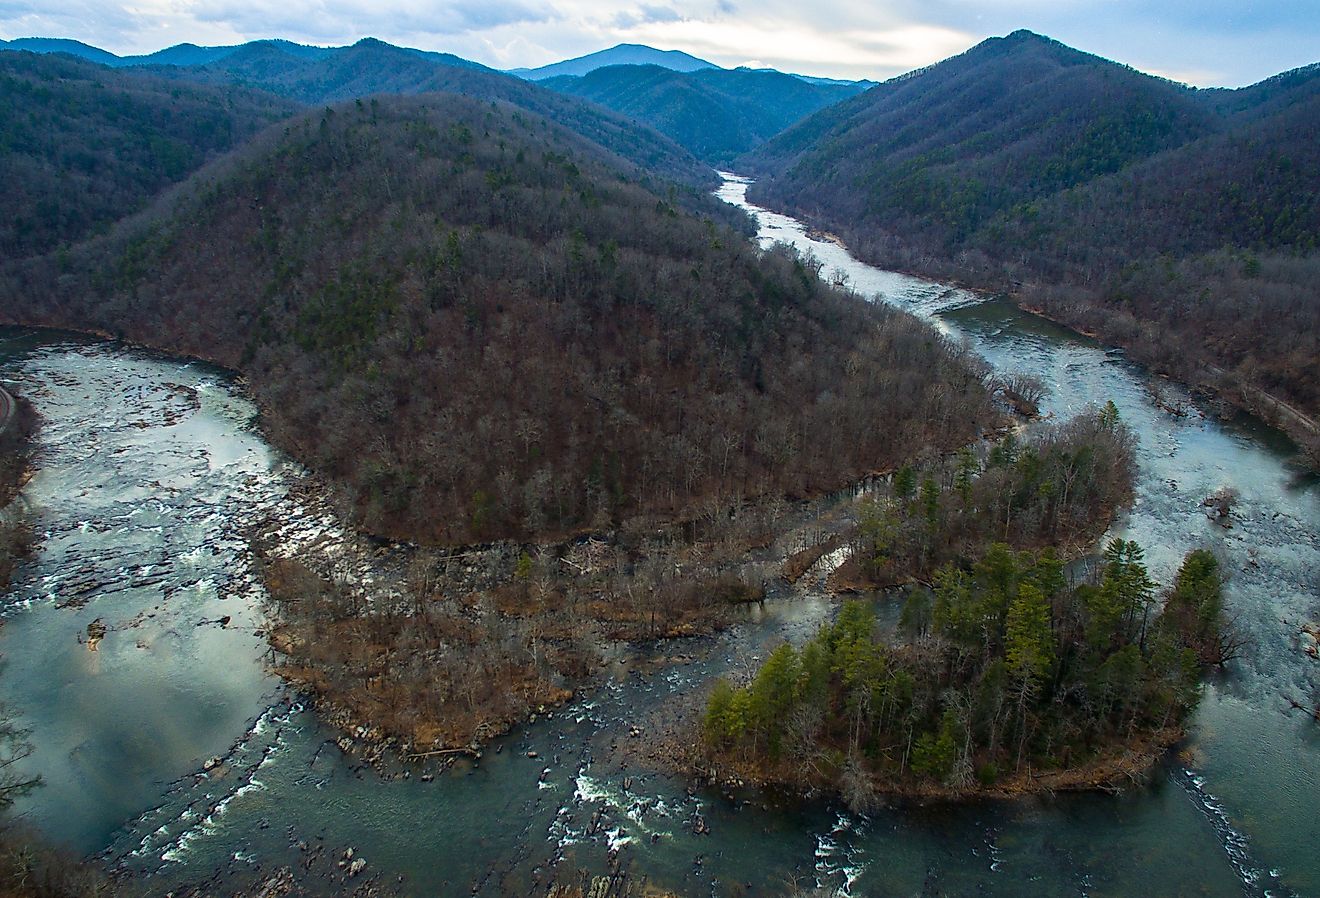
(146, 477)
(143, 498)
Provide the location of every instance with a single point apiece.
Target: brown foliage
(1099, 195)
(471, 321)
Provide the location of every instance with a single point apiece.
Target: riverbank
(17, 442)
(1111, 770)
(1145, 341)
(17, 437)
(417, 653)
(1210, 382)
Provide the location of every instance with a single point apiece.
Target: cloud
(75, 18)
(809, 47)
(644, 14)
(348, 19)
(1208, 41)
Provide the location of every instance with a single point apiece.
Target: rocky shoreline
(1110, 772)
(673, 746)
(17, 446)
(602, 595)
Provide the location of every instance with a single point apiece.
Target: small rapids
(171, 752)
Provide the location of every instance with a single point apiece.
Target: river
(151, 474)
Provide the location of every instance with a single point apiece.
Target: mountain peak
(61, 45)
(1026, 35)
(1024, 43)
(619, 54)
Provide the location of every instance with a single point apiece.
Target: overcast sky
(1203, 42)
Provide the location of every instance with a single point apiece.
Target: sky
(1225, 43)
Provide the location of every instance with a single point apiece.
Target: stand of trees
(1008, 668)
(478, 326)
(1060, 488)
(428, 671)
(452, 647)
(82, 145)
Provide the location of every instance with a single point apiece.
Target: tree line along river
(151, 474)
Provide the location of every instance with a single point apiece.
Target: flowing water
(151, 474)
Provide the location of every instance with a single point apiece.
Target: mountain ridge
(388, 272)
(188, 55)
(715, 113)
(619, 54)
(1174, 221)
(372, 67)
(82, 145)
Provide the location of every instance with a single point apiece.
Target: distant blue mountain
(190, 55)
(716, 113)
(623, 54)
(814, 79)
(61, 45)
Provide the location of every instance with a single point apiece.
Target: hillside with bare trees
(479, 325)
(1178, 223)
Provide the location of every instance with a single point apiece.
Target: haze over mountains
(714, 113)
(623, 54)
(717, 114)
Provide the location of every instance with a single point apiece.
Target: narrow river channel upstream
(151, 475)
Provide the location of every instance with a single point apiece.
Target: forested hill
(82, 146)
(193, 55)
(718, 114)
(1179, 223)
(371, 67)
(473, 322)
(61, 45)
(940, 153)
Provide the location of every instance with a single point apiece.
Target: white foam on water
(1255, 879)
(617, 838)
(840, 861)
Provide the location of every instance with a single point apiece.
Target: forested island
(1010, 679)
(1011, 670)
